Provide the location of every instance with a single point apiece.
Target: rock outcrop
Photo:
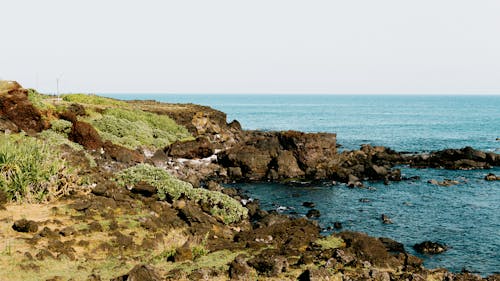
(18, 109)
(466, 158)
(280, 155)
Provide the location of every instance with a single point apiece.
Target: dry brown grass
(89, 258)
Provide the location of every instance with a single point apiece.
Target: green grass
(134, 128)
(330, 242)
(30, 169)
(222, 206)
(93, 99)
(39, 101)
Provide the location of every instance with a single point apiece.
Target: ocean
(466, 216)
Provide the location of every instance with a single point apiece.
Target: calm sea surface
(466, 217)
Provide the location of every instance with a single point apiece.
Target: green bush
(222, 206)
(61, 126)
(93, 99)
(133, 128)
(30, 170)
(54, 138)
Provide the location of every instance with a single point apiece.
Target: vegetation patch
(31, 170)
(133, 128)
(93, 99)
(61, 126)
(39, 101)
(222, 206)
(330, 242)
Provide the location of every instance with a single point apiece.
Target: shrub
(54, 138)
(132, 128)
(61, 126)
(30, 170)
(222, 206)
(93, 99)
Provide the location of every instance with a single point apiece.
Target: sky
(258, 46)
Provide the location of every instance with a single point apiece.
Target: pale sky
(258, 46)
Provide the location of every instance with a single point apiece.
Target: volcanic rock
(429, 247)
(24, 225)
(195, 149)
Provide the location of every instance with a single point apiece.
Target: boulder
(367, 248)
(139, 273)
(239, 269)
(429, 247)
(144, 188)
(122, 154)
(24, 225)
(385, 219)
(269, 264)
(313, 213)
(319, 274)
(201, 147)
(86, 135)
(312, 150)
(183, 253)
(492, 177)
(308, 204)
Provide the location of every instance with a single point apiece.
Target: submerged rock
(429, 247)
(313, 213)
(385, 219)
(492, 177)
(446, 182)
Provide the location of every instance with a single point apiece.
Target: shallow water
(466, 217)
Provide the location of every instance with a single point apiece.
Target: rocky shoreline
(145, 231)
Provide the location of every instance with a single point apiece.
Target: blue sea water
(404, 123)
(466, 216)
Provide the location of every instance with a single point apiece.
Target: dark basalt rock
(144, 188)
(239, 269)
(429, 247)
(316, 275)
(313, 213)
(24, 225)
(367, 248)
(392, 245)
(281, 155)
(195, 149)
(492, 177)
(385, 219)
(122, 154)
(269, 263)
(466, 158)
(183, 253)
(139, 273)
(308, 204)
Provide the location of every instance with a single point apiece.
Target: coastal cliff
(132, 191)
